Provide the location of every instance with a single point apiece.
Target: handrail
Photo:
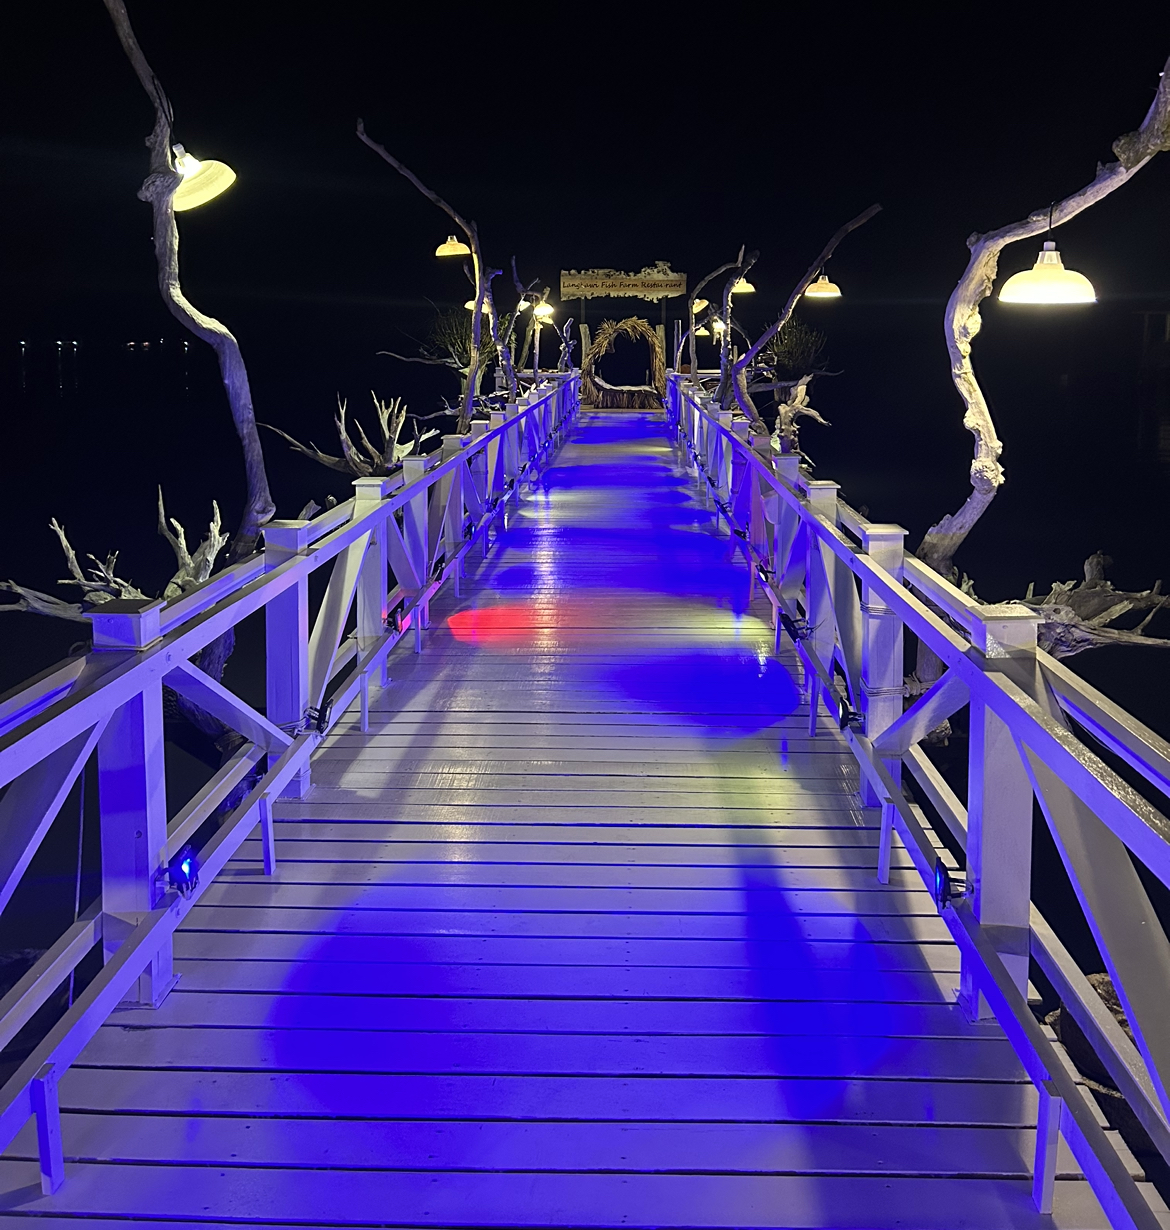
(844, 589)
(391, 547)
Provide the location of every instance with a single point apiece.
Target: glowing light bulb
(717, 325)
(1048, 281)
(822, 288)
(543, 310)
(453, 247)
(202, 181)
(743, 287)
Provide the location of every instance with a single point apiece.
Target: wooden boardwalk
(584, 932)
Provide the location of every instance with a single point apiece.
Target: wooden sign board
(657, 281)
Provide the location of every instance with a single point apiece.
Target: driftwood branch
(749, 356)
(741, 270)
(435, 361)
(482, 288)
(963, 322)
(378, 461)
(693, 352)
(158, 191)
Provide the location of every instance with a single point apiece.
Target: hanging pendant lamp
(202, 181)
(1048, 281)
(822, 288)
(743, 287)
(453, 247)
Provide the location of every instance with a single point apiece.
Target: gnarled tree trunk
(963, 321)
(158, 191)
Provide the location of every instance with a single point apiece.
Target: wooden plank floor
(584, 932)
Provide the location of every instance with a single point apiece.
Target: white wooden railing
(846, 592)
(387, 550)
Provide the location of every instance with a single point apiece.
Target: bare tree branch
(691, 311)
(749, 356)
(159, 190)
(482, 288)
(963, 321)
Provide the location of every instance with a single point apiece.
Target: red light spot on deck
(497, 625)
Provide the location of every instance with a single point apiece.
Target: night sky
(576, 136)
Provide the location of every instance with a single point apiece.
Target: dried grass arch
(595, 391)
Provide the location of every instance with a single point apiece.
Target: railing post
(286, 635)
(881, 668)
(999, 811)
(739, 472)
(718, 459)
(133, 791)
(477, 468)
(789, 568)
(416, 536)
(496, 482)
(450, 496)
(818, 606)
(757, 511)
(373, 580)
(512, 442)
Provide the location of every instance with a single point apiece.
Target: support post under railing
(286, 635)
(818, 606)
(512, 442)
(718, 455)
(999, 812)
(881, 668)
(132, 786)
(496, 461)
(450, 496)
(373, 580)
(416, 535)
(47, 1110)
(757, 520)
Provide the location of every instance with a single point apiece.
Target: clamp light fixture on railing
(822, 288)
(202, 181)
(1048, 281)
(453, 247)
(743, 287)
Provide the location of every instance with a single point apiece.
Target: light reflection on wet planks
(584, 932)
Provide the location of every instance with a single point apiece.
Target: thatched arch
(596, 392)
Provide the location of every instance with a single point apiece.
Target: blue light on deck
(183, 871)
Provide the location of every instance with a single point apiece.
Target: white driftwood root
(361, 457)
(103, 583)
(963, 321)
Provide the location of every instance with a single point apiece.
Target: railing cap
(127, 623)
(998, 629)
